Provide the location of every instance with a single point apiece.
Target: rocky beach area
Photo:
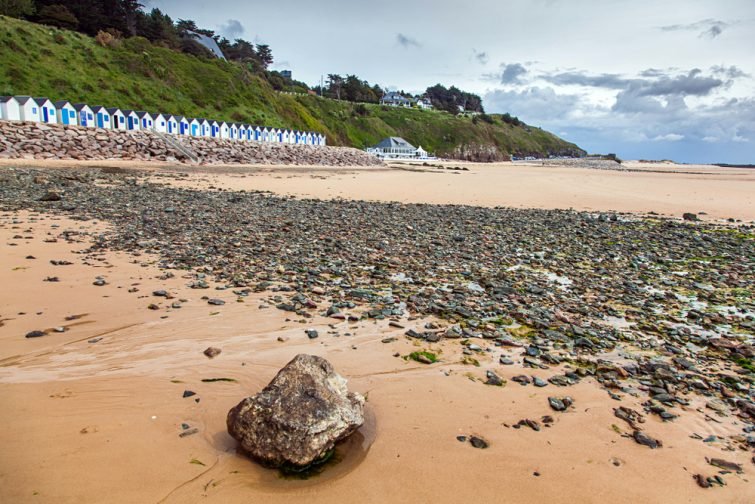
(625, 342)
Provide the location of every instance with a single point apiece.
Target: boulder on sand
(299, 417)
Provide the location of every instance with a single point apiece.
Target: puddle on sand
(346, 457)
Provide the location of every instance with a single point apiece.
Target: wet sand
(100, 421)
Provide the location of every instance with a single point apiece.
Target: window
(107, 119)
(90, 116)
(162, 123)
(71, 114)
(34, 110)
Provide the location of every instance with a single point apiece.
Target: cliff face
(43, 61)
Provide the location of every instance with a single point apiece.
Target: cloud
(512, 73)
(407, 42)
(652, 82)
(481, 57)
(707, 28)
(610, 81)
(231, 29)
(669, 137)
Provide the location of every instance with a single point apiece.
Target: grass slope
(43, 61)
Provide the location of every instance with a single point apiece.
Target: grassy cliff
(43, 61)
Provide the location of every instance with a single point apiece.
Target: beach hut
(265, 134)
(257, 133)
(278, 135)
(214, 129)
(28, 109)
(132, 120)
(47, 112)
(65, 112)
(309, 140)
(242, 132)
(233, 131)
(225, 130)
(117, 118)
(323, 140)
(171, 125)
(10, 110)
(160, 123)
(101, 117)
(194, 127)
(285, 136)
(146, 121)
(183, 125)
(204, 127)
(84, 115)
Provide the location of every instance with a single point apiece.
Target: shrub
(107, 39)
(17, 8)
(58, 15)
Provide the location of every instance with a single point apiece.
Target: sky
(645, 79)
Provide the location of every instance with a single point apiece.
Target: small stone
(493, 379)
(311, 333)
(99, 282)
(189, 393)
(478, 442)
(215, 302)
(51, 196)
(212, 352)
(644, 439)
(35, 334)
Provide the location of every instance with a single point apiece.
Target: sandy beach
(94, 412)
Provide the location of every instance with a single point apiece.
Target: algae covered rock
(299, 417)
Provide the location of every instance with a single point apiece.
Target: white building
(397, 148)
(117, 118)
(233, 131)
(394, 99)
(146, 121)
(171, 125)
(28, 109)
(243, 135)
(85, 115)
(47, 112)
(10, 110)
(101, 117)
(66, 113)
(194, 127)
(204, 127)
(132, 120)
(225, 130)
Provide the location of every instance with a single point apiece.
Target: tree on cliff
(17, 8)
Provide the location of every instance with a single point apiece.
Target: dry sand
(100, 422)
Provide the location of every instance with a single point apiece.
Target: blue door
(44, 114)
(100, 122)
(83, 118)
(64, 116)
(193, 130)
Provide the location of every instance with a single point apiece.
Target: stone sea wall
(27, 140)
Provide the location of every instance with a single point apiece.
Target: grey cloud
(610, 81)
(534, 104)
(512, 73)
(407, 42)
(481, 57)
(731, 72)
(231, 29)
(707, 28)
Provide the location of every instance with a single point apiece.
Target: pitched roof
(142, 113)
(113, 110)
(6, 99)
(394, 143)
(81, 106)
(23, 99)
(41, 100)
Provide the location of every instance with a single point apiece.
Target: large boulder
(299, 417)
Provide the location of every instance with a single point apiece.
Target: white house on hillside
(194, 127)
(101, 117)
(28, 108)
(10, 110)
(171, 125)
(132, 120)
(395, 99)
(225, 130)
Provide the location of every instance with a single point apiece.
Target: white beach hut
(171, 125)
(285, 136)
(256, 133)
(160, 123)
(117, 118)
(323, 140)
(265, 134)
(183, 125)
(132, 120)
(242, 132)
(214, 129)
(225, 130)
(10, 110)
(146, 121)
(47, 112)
(66, 113)
(84, 115)
(204, 127)
(27, 108)
(309, 140)
(101, 117)
(233, 132)
(194, 127)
